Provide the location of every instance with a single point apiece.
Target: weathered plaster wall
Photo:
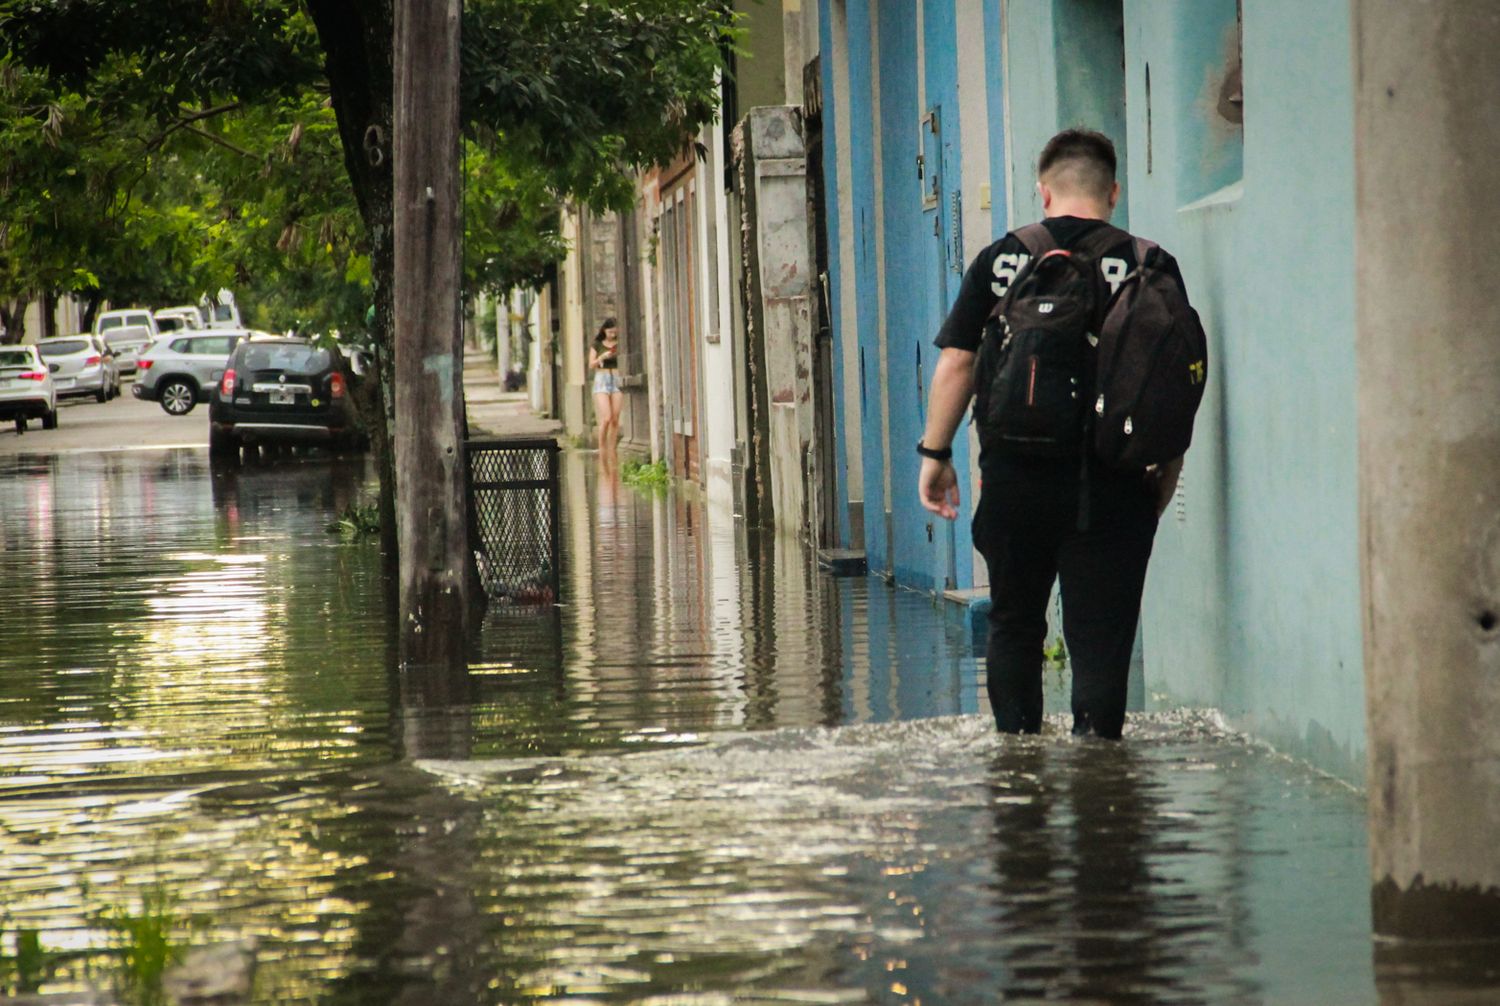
(1429, 395)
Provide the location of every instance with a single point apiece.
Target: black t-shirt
(990, 276)
(609, 359)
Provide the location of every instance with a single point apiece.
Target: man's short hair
(1081, 161)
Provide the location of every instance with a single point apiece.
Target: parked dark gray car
(281, 391)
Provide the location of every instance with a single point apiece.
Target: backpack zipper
(1031, 385)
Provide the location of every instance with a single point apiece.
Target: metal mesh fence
(513, 519)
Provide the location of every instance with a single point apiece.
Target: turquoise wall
(1065, 71)
(1088, 38)
(1253, 600)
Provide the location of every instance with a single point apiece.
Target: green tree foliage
(214, 129)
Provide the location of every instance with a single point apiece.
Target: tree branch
(187, 120)
(221, 142)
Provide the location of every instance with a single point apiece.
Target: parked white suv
(181, 371)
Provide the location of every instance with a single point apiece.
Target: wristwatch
(935, 453)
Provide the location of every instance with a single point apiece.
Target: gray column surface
(1427, 261)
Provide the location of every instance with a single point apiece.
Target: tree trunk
(49, 314)
(13, 320)
(356, 38)
(91, 307)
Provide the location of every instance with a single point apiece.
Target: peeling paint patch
(440, 365)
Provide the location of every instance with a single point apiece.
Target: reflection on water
(635, 798)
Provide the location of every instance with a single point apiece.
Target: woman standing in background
(604, 357)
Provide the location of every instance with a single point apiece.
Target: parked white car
(177, 319)
(127, 343)
(26, 390)
(127, 317)
(81, 365)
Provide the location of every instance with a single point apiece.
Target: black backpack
(1152, 367)
(1034, 376)
(1065, 366)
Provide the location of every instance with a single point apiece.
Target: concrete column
(1427, 150)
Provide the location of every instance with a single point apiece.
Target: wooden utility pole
(431, 524)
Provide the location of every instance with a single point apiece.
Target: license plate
(64, 382)
(283, 398)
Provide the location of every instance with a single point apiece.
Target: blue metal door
(932, 165)
(943, 216)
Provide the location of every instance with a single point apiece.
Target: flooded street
(637, 799)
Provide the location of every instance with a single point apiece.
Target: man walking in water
(1049, 515)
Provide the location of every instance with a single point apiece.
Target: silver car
(81, 365)
(179, 371)
(26, 390)
(127, 342)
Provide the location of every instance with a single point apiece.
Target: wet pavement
(713, 776)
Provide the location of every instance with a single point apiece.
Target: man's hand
(938, 487)
(952, 388)
(1165, 481)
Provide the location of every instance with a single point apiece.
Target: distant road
(123, 424)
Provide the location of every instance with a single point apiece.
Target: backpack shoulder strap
(1100, 240)
(1144, 248)
(1037, 239)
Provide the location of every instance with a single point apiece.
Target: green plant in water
(359, 520)
(28, 967)
(144, 940)
(645, 475)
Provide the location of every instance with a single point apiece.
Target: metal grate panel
(513, 514)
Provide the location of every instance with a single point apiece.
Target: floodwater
(713, 776)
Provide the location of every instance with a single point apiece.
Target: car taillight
(226, 387)
(34, 375)
(144, 364)
(336, 385)
(92, 361)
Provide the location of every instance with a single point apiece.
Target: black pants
(1026, 527)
